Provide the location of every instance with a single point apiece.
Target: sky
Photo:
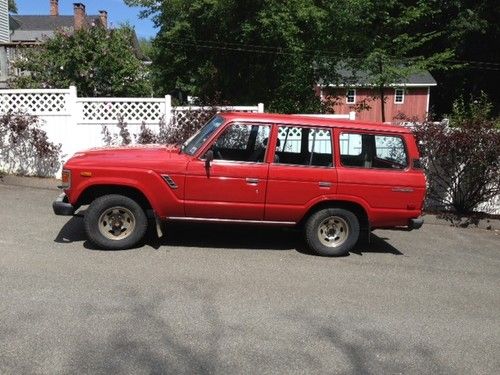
(118, 12)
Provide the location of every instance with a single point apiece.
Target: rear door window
(300, 145)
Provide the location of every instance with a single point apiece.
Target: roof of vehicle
(313, 120)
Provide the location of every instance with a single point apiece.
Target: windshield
(194, 143)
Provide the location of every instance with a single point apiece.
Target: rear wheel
(332, 231)
(115, 222)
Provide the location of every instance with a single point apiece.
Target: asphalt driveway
(219, 299)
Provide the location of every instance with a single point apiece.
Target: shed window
(351, 96)
(399, 96)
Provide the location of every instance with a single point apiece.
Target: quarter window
(399, 96)
(372, 151)
(304, 146)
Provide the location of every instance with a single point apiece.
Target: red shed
(410, 97)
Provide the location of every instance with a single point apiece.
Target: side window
(304, 146)
(391, 149)
(242, 142)
(372, 151)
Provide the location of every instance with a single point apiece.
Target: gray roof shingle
(356, 77)
(35, 28)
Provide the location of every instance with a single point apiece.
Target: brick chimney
(103, 16)
(54, 7)
(80, 18)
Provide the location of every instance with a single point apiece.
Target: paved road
(242, 300)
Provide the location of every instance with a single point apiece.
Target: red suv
(332, 178)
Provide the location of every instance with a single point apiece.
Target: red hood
(151, 157)
(132, 148)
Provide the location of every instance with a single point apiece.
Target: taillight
(66, 179)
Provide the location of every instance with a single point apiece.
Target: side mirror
(209, 156)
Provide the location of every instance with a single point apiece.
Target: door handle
(252, 180)
(325, 184)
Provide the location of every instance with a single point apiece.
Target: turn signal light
(66, 179)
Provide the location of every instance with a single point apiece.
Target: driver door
(234, 186)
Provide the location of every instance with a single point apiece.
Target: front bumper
(416, 223)
(62, 207)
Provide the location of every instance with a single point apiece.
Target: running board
(234, 221)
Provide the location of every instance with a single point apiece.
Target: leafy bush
(462, 158)
(183, 126)
(123, 138)
(146, 136)
(25, 148)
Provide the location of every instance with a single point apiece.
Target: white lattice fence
(76, 123)
(181, 114)
(36, 102)
(104, 111)
(132, 110)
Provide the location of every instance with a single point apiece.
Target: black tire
(338, 234)
(114, 210)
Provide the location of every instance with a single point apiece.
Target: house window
(350, 96)
(399, 96)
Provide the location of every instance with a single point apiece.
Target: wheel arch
(93, 192)
(356, 208)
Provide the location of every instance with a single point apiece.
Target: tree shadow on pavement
(183, 330)
(224, 236)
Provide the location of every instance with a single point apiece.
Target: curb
(485, 223)
(32, 182)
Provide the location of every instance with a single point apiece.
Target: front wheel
(332, 231)
(115, 222)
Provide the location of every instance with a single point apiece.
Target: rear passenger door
(301, 171)
(375, 167)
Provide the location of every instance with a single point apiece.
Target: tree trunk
(381, 90)
(382, 102)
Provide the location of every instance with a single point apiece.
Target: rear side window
(304, 146)
(373, 151)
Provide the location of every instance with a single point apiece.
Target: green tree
(12, 6)
(97, 61)
(392, 40)
(146, 46)
(275, 51)
(240, 51)
(472, 30)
